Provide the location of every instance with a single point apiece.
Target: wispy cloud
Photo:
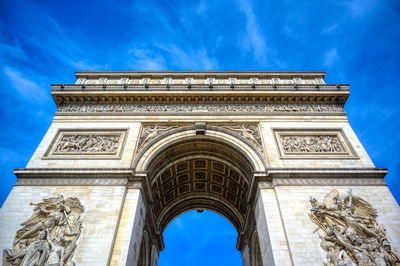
(12, 49)
(145, 59)
(359, 8)
(189, 59)
(254, 36)
(28, 89)
(330, 58)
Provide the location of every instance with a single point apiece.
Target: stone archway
(214, 171)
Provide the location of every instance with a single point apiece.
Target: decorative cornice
(190, 73)
(326, 173)
(200, 108)
(71, 182)
(101, 173)
(282, 93)
(328, 182)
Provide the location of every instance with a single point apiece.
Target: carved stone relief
(101, 143)
(188, 108)
(313, 143)
(305, 144)
(349, 231)
(87, 144)
(249, 132)
(49, 236)
(150, 132)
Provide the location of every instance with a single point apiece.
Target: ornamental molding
(49, 236)
(72, 181)
(87, 144)
(64, 181)
(305, 143)
(248, 132)
(151, 134)
(199, 97)
(200, 108)
(349, 231)
(328, 182)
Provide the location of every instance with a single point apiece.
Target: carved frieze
(191, 108)
(152, 131)
(76, 144)
(248, 131)
(349, 231)
(306, 144)
(316, 143)
(49, 236)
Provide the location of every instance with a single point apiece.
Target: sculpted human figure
(56, 253)
(246, 131)
(16, 257)
(350, 226)
(37, 252)
(49, 236)
(344, 260)
(57, 216)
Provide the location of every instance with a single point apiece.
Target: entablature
(200, 87)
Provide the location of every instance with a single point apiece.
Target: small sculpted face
(42, 235)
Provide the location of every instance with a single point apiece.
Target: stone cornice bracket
(200, 128)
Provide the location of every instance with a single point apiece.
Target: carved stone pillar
(154, 255)
(129, 235)
(246, 255)
(270, 229)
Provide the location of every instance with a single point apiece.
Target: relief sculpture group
(49, 236)
(350, 233)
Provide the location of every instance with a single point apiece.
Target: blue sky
(44, 42)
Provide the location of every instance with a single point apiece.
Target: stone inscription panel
(87, 144)
(313, 144)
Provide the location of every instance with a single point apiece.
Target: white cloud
(330, 29)
(27, 88)
(191, 59)
(360, 8)
(254, 37)
(330, 58)
(144, 59)
(14, 50)
(201, 8)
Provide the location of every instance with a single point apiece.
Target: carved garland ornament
(187, 108)
(350, 232)
(49, 237)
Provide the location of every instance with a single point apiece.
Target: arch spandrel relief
(350, 233)
(49, 236)
(244, 138)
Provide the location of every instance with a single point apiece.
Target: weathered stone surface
(140, 148)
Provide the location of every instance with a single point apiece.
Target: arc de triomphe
(127, 152)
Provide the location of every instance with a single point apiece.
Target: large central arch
(189, 169)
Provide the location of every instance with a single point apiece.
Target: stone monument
(127, 152)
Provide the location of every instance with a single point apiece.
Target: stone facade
(139, 148)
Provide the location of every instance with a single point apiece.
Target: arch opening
(191, 235)
(188, 171)
(200, 173)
